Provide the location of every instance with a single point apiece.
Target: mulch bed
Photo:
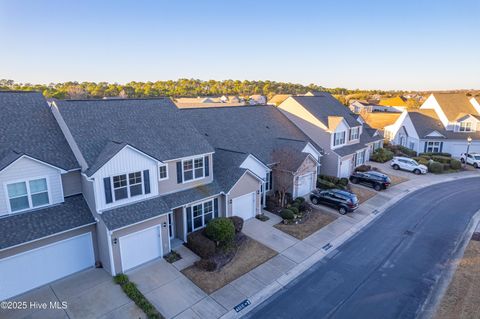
(312, 220)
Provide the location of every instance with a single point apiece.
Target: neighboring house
(278, 98)
(397, 101)
(46, 228)
(379, 120)
(184, 103)
(442, 124)
(257, 99)
(281, 153)
(363, 106)
(347, 143)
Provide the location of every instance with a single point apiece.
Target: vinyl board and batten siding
(25, 168)
(126, 161)
(171, 184)
(72, 183)
(255, 166)
(245, 185)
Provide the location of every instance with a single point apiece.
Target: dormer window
(28, 194)
(354, 133)
(465, 127)
(339, 138)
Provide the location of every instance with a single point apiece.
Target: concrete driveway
(88, 294)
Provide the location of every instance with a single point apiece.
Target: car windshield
(477, 157)
(414, 162)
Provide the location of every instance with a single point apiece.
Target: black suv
(376, 180)
(342, 200)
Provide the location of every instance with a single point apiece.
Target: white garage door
(304, 184)
(345, 168)
(244, 206)
(459, 148)
(140, 247)
(40, 266)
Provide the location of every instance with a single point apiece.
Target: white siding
(431, 103)
(255, 166)
(342, 127)
(25, 168)
(126, 161)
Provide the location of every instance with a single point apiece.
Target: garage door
(458, 149)
(40, 266)
(304, 184)
(345, 168)
(244, 206)
(140, 247)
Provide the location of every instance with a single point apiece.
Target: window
(433, 147)
(411, 145)
(338, 138)
(124, 187)
(193, 169)
(163, 174)
(354, 132)
(465, 126)
(28, 194)
(360, 158)
(202, 214)
(268, 181)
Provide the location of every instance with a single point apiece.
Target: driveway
(88, 294)
(390, 268)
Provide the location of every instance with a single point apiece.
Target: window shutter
(146, 181)
(179, 172)
(441, 146)
(425, 147)
(108, 190)
(215, 207)
(189, 219)
(270, 186)
(207, 166)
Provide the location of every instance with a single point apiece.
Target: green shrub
(381, 155)
(237, 223)
(303, 207)
(221, 230)
(201, 245)
(435, 167)
(295, 210)
(321, 183)
(287, 214)
(435, 154)
(300, 199)
(407, 151)
(344, 181)
(363, 168)
(294, 204)
(422, 160)
(121, 279)
(455, 164)
(441, 159)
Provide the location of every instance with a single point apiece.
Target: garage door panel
(38, 267)
(244, 206)
(140, 247)
(304, 184)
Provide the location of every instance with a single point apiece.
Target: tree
(283, 172)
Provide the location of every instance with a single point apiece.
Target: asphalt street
(389, 269)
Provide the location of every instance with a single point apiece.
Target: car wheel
(314, 201)
(462, 160)
(396, 167)
(342, 210)
(377, 187)
(354, 180)
(475, 165)
(417, 171)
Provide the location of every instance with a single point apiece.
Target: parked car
(408, 164)
(373, 179)
(343, 201)
(471, 158)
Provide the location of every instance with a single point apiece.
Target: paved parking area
(88, 294)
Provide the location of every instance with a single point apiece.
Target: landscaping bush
(299, 200)
(435, 167)
(221, 230)
(422, 160)
(407, 151)
(121, 279)
(295, 210)
(287, 214)
(303, 207)
(206, 264)
(200, 245)
(442, 159)
(363, 168)
(321, 183)
(294, 204)
(237, 223)
(455, 164)
(327, 181)
(435, 154)
(381, 155)
(399, 150)
(344, 181)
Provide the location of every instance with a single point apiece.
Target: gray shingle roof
(454, 104)
(324, 105)
(247, 129)
(133, 213)
(227, 169)
(154, 126)
(29, 128)
(24, 227)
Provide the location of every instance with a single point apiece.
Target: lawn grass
(462, 299)
(250, 254)
(316, 219)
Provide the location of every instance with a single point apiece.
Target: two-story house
(347, 143)
(289, 158)
(150, 177)
(443, 123)
(46, 228)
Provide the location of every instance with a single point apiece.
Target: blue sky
(421, 44)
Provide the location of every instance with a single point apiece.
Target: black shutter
(441, 147)
(189, 219)
(179, 172)
(146, 181)
(425, 147)
(207, 166)
(215, 207)
(108, 190)
(271, 181)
